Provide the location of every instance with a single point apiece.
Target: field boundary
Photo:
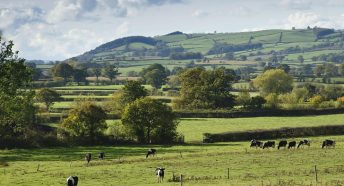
(279, 133)
(257, 113)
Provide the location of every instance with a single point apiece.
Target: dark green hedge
(255, 113)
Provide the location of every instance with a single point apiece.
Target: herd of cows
(292, 144)
(159, 171)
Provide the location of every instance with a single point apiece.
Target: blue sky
(59, 29)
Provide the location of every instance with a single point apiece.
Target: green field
(200, 165)
(193, 128)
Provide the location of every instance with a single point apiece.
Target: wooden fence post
(228, 173)
(316, 174)
(181, 180)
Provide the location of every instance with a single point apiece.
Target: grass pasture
(193, 128)
(200, 165)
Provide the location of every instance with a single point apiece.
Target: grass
(200, 165)
(193, 128)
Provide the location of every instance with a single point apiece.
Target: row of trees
(79, 72)
(144, 119)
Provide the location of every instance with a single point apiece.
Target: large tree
(273, 81)
(155, 75)
(85, 120)
(80, 75)
(111, 71)
(204, 89)
(150, 121)
(17, 111)
(63, 70)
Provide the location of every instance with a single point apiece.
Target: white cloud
(297, 4)
(302, 20)
(13, 18)
(200, 13)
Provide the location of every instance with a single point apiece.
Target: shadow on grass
(78, 153)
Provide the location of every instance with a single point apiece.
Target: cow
(328, 143)
(160, 174)
(282, 143)
(292, 144)
(72, 181)
(151, 152)
(304, 142)
(88, 157)
(269, 144)
(101, 155)
(256, 143)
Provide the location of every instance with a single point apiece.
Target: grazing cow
(282, 143)
(304, 142)
(151, 152)
(269, 144)
(328, 143)
(72, 181)
(292, 144)
(160, 174)
(88, 157)
(256, 143)
(101, 155)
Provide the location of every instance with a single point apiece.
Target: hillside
(241, 43)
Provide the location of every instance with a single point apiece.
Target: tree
(47, 96)
(17, 112)
(256, 102)
(204, 89)
(132, 91)
(79, 75)
(155, 75)
(97, 72)
(243, 98)
(300, 59)
(62, 70)
(150, 121)
(273, 81)
(111, 71)
(85, 120)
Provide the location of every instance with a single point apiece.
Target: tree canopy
(155, 75)
(85, 120)
(17, 111)
(273, 81)
(204, 89)
(47, 96)
(150, 121)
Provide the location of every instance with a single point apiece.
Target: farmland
(200, 165)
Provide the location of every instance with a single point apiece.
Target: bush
(272, 101)
(316, 100)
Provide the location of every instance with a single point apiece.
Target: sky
(60, 29)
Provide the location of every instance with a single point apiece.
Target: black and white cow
(328, 143)
(160, 174)
(282, 143)
(304, 142)
(72, 181)
(256, 143)
(269, 144)
(101, 155)
(292, 144)
(151, 152)
(88, 157)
